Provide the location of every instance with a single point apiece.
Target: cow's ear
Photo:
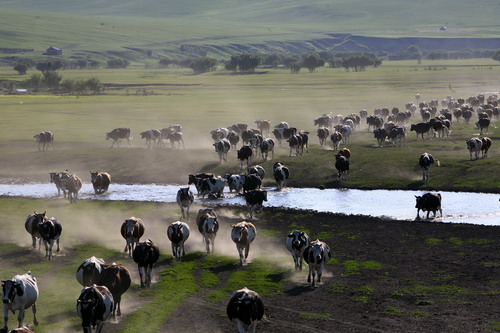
(20, 291)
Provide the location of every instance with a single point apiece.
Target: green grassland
(369, 266)
(102, 29)
(205, 102)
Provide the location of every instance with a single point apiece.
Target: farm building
(53, 51)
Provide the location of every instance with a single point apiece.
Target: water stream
(458, 207)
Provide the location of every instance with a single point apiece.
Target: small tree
(203, 64)
(68, 86)
(22, 68)
(312, 61)
(496, 56)
(51, 79)
(33, 83)
(94, 85)
(295, 67)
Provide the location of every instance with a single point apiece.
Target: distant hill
(154, 28)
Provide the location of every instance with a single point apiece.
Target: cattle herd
(103, 284)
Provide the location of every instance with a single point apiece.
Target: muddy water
(459, 207)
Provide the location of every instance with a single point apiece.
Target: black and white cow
(485, 146)
(235, 182)
(295, 142)
(426, 161)
(324, 121)
(296, 242)
(50, 231)
(342, 166)
(146, 254)
(89, 271)
(175, 138)
(152, 135)
(24, 329)
(257, 170)
(178, 233)
(185, 199)
(346, 132)
(255, 142)
(116, 278)
(198, 179)
(132, 230)
(247, 308)
(281, 174)
(208, 225)
(56, 177)
(117, 134)
(243, 234)
(254, 200)
(284, 133)
(305, 141)
(100, 181)
(267, 146)
(31, 226)
(474, 145)
(94, 306)
(397, 136)
(282, 124)
(221, 148)
(44, 140)
(212, 187)
(316, 255)
(380, 134)
(245, 154)
(323, 134)
(219, 134)
(429, 202)
(19, 294)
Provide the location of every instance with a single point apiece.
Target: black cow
(146, 254)
(254, 200)
(185, 199)
(323, 134)
(342, 166)
(245, 153)
(89, 272)
(430, 202)
(50, 231)
(483, 123)
(117, 134)
(284, 133)
(117, 279)
(233, 138)
(251, 182)
(420, 129)
(247, 308)
(397, 135)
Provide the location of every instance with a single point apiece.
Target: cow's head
(419, 201)
(211, 224)
(93, 176)
(129, 227)
(10, 290)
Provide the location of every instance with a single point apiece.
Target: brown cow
(100, 181)
(72, 185)
(117, 279)
(132, 230)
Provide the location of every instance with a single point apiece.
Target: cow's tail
(438, 163)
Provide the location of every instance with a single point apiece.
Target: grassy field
(114, 28)
(202, 103)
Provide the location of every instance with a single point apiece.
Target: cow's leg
(98, 329)
(174, 250)
(418, 215)
(320, 272)
(301, 259)
(295, 260)
(51, 245)
(119, 310)
(35, 320)
(309, 274)
(5, 317)
(182, 247)
(20, 317)
(247, 249)
(141, 275)
(33, 237)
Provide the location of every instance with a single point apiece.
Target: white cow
(208, 225)
(221, 148)
(178, 233)
(19, 294)
(316, 255)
